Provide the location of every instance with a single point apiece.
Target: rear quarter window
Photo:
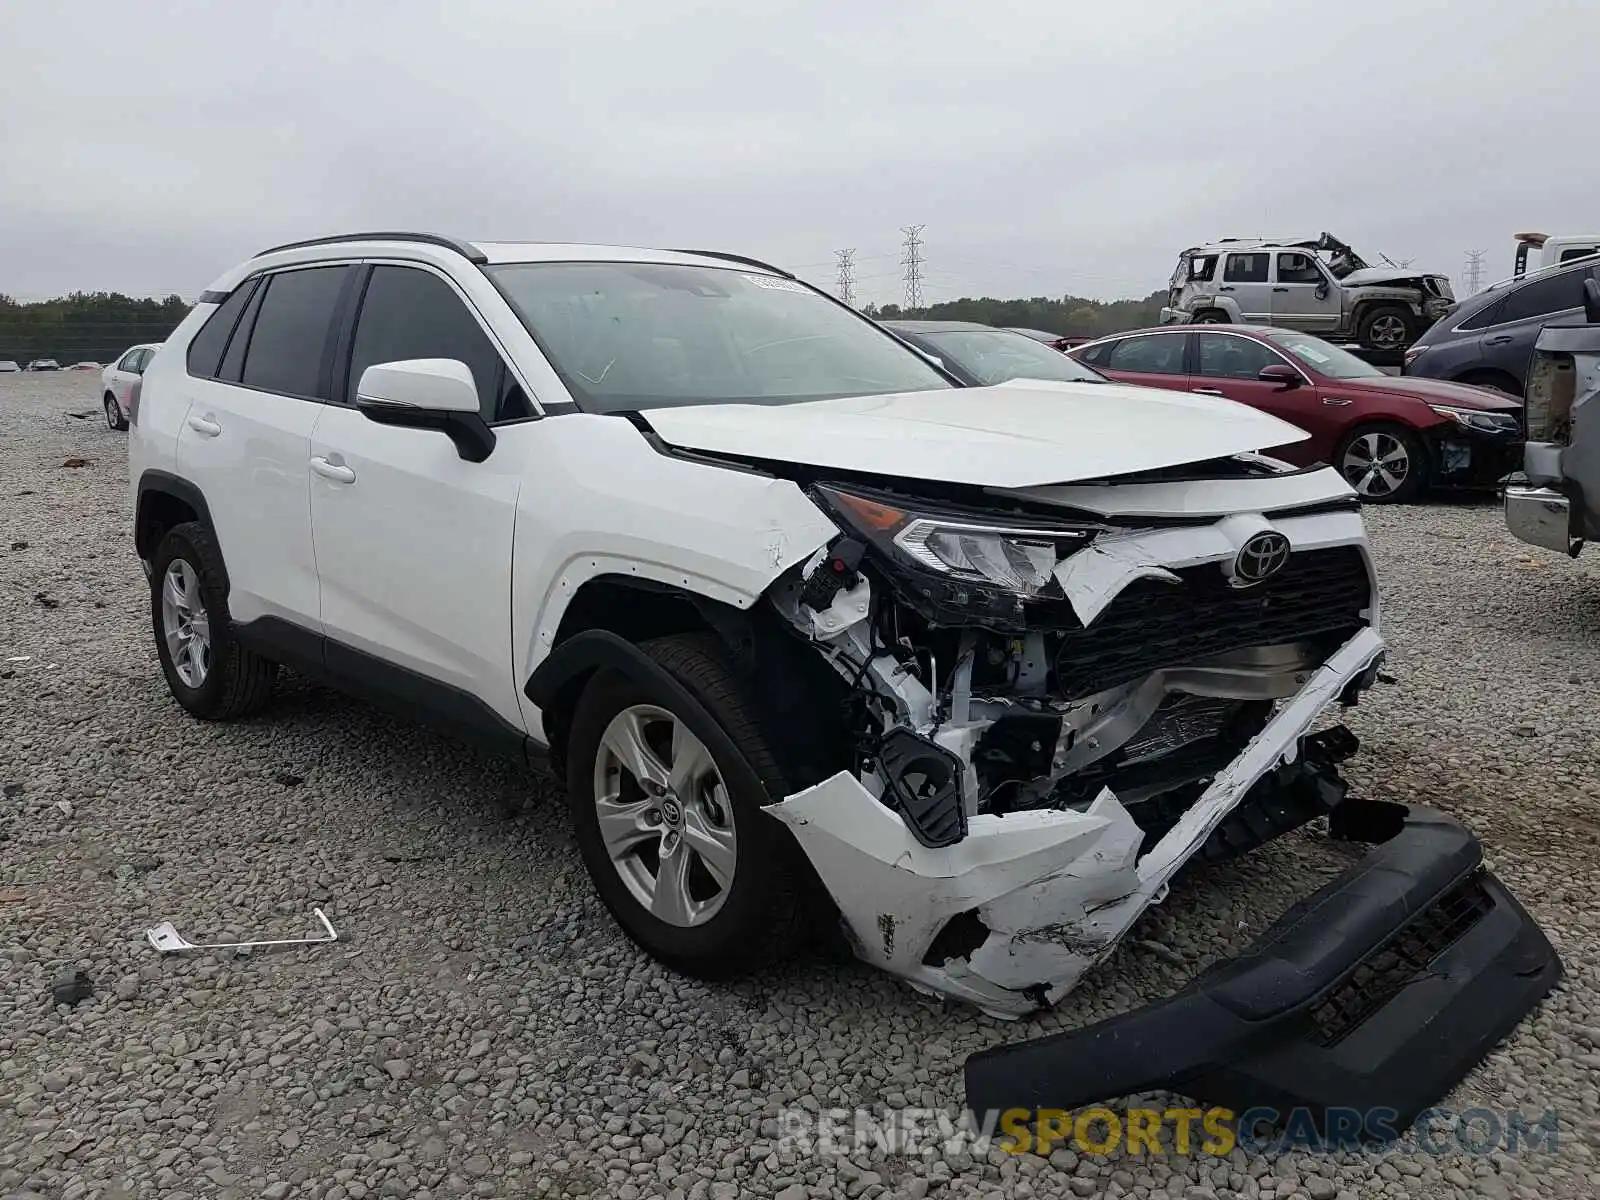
(1543, 297)
(206, 347)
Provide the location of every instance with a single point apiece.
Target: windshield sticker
(1312, 354)
(778, 285)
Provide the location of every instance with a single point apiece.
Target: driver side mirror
(1591, 301)
(427, 393)
(1282, 374)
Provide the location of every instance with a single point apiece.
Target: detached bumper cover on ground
(1380, 991)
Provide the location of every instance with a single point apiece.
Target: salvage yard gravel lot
(482, 1027)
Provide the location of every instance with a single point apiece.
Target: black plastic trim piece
(210, 297)
(923, 780)
(589, 651)
(167, 484)
(466, 249)
(736, 258)
(1246, 1034)
(399, 690)
(473, 439)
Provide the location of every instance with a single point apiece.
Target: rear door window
(292, 331)
(1542, 297)
(1246, 268)
(1154, 354)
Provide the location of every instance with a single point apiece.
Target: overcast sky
(1048, 147)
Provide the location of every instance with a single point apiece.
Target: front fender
(609, 502)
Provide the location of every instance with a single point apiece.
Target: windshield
(1321, 356)
(998, 355)
(627, 336)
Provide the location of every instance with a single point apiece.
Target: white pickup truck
(1552, 250)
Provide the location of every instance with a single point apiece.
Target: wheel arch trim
(163, 483)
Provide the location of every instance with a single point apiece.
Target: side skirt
(399, 690)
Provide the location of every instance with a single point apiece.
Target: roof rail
(466, 249)
(738, 258)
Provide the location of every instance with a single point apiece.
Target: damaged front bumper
(1010, 916)
(1375, 995)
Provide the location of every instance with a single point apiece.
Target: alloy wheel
(113, 415)
(665, 815)
(1376, 464)
(185, 623)
(1388, 332)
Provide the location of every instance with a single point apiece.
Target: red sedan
(1390, 436)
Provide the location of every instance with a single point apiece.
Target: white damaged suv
(813, 634)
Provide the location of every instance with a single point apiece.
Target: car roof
(944, 327)
(432, 246)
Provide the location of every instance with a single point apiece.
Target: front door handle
(205, 426)
(1501, 340)
(1207, 391)
(336, 471)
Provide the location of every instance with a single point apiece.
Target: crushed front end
(1063, 696)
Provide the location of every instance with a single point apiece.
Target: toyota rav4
(813, 635)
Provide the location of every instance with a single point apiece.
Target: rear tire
(115, 421)
(208, 671)
(730, 925)
(1211, 316)
(1386, 464)
(1387, 327)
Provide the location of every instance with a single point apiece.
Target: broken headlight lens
(1015, 557)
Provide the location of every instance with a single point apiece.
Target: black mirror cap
(469, 432)
(1591, 301)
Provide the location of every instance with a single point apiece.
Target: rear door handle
(1229, 288)
(1280, 289)
(1206, 391)
(205, 426)
(336, 471)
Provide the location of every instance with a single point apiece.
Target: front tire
(208, 671)
(1387, 327)
(667, 795)
(1386, 464)
(115, 421)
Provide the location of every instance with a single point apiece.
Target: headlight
(1487, 422)
(1013, 556)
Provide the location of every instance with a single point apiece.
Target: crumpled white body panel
(1056, 890)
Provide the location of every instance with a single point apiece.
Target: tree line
(99, 326)
(85, 326)
(1068, 316)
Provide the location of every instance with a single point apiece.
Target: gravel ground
(481, 1028)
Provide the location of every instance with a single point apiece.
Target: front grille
(1403, 960)
(1151, 625)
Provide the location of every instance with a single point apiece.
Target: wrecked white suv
(805, 627)
(1318, 285)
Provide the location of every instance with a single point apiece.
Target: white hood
(1021, 434)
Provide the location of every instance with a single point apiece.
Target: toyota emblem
(1259, 559)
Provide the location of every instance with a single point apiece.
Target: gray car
(1488, 340)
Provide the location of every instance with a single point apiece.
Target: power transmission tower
(847, 275)
(912, 262)
(1473, 278)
